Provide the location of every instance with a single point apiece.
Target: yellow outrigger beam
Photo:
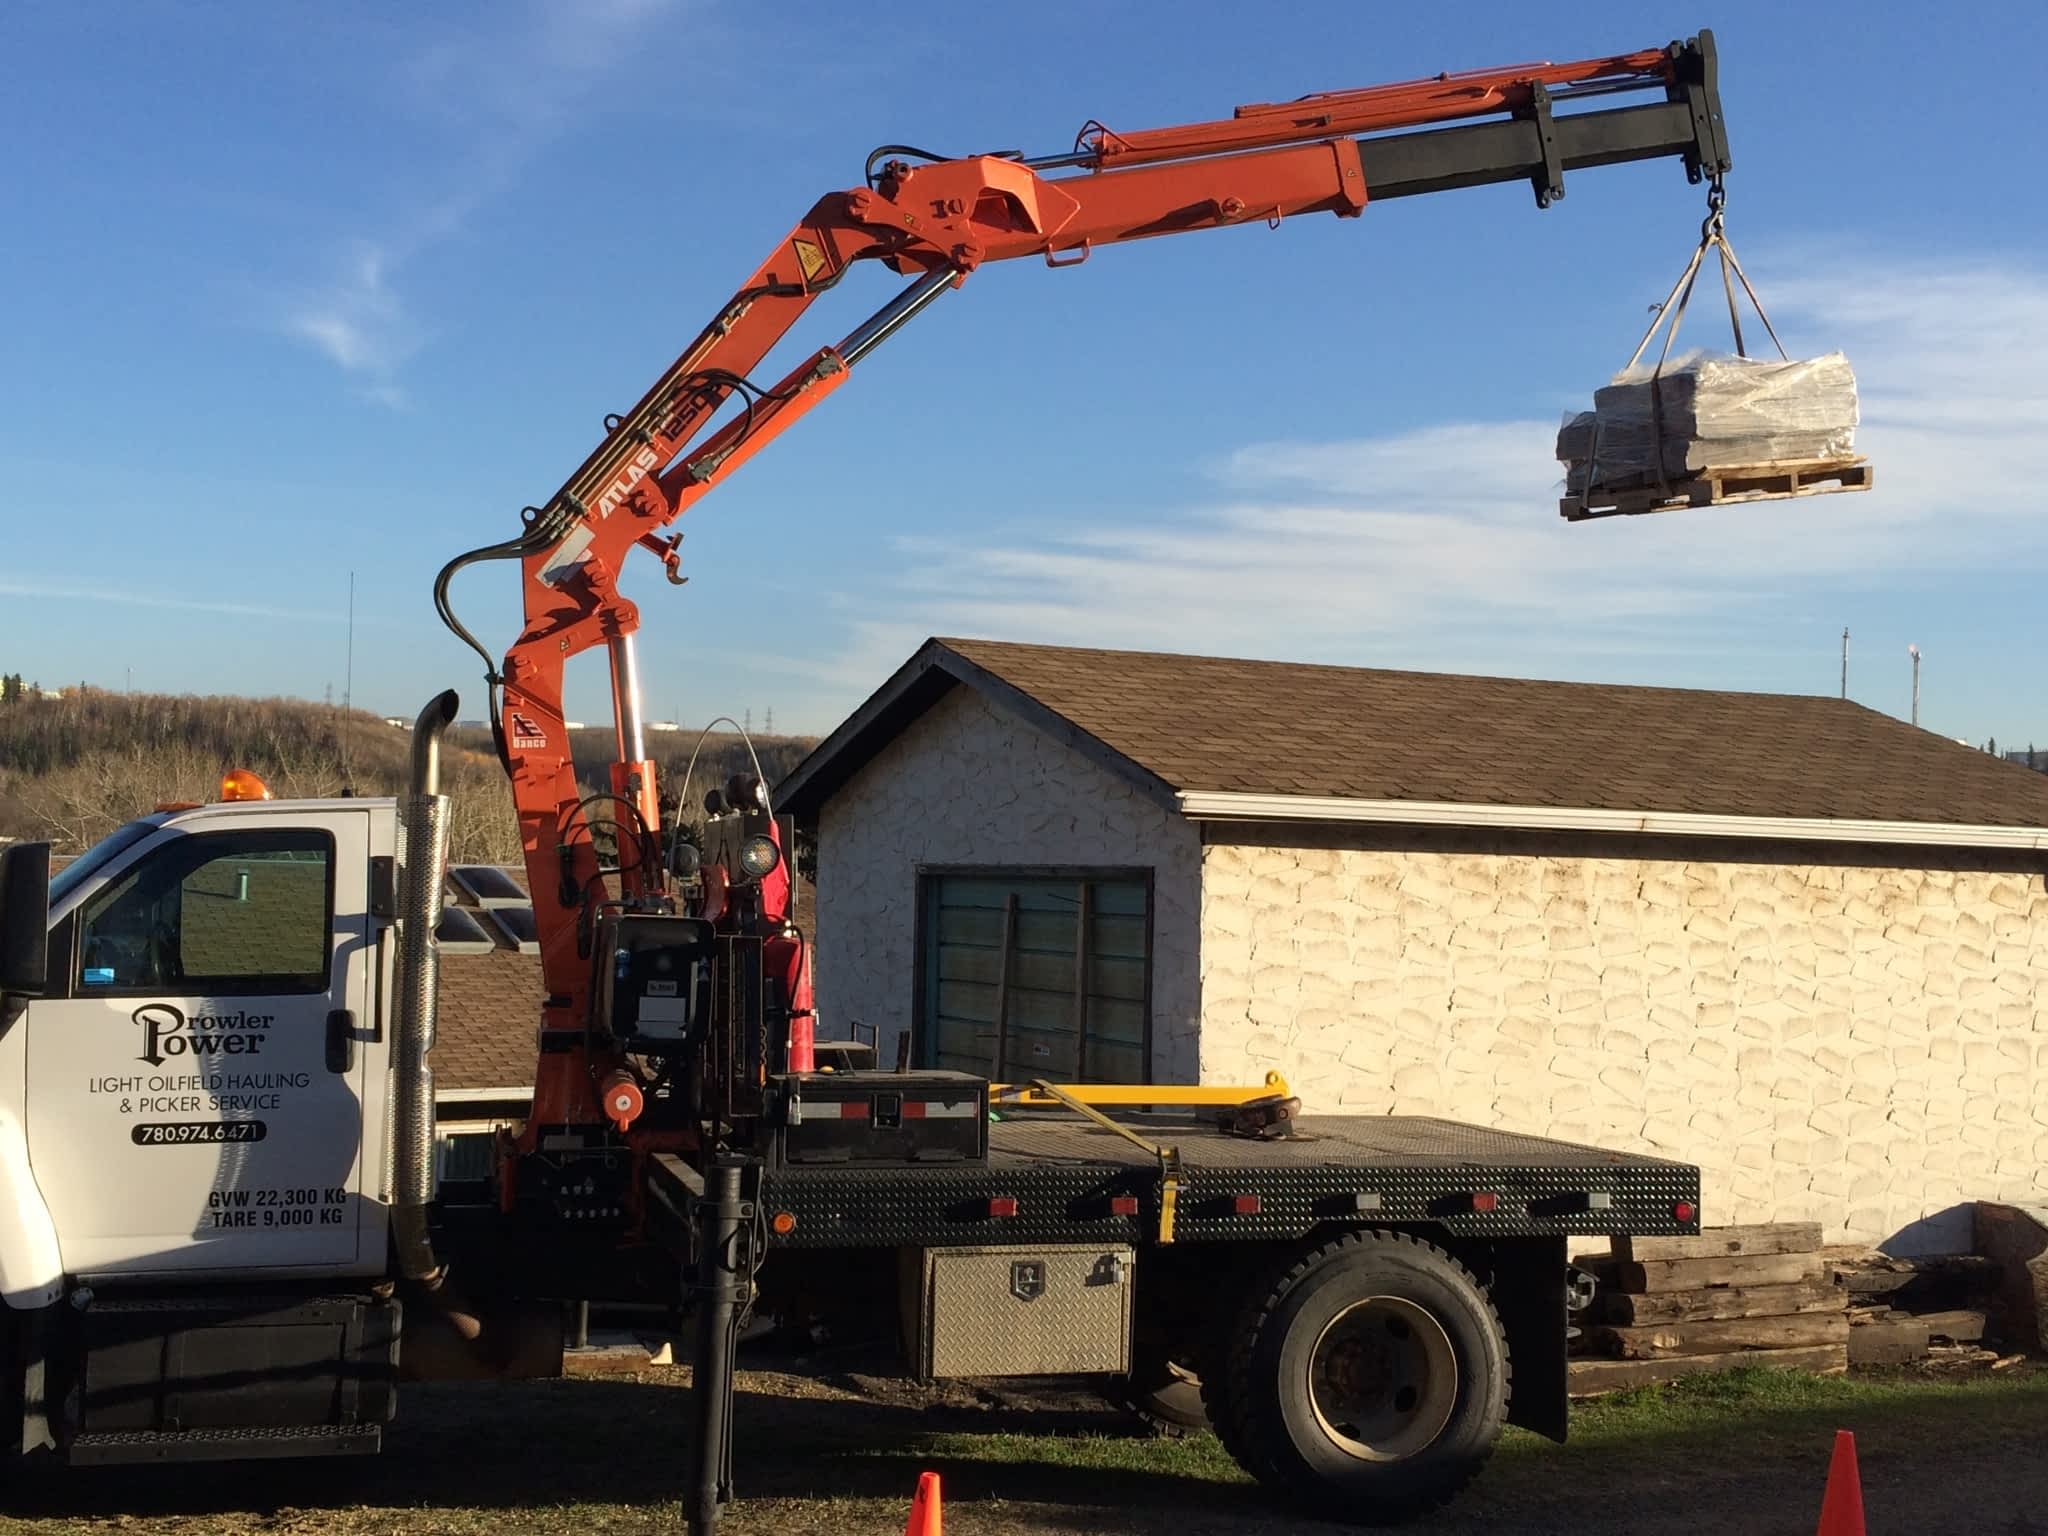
(1113, 1095)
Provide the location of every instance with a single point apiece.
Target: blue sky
(295, 291)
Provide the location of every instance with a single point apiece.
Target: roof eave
(1228, 805)
(913, 689)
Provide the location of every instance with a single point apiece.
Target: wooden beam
(1657, 1275)
(1716, 1303)
(1896, 1341)
(1003, 986)
(1961, 1327)
(1724, 1242)
(1658, 1341)
(1589, 1378)
(1083, 916)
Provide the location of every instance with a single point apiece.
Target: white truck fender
(31, 1266)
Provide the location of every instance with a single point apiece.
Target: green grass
(1739, 1398)
(1704, 1455)
(1198, 1457)
(1737, 1414)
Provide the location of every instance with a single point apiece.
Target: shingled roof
(484, 1032)
(1199, 726)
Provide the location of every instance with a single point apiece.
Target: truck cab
(194, 1066)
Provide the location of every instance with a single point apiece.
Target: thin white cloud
(132, 599)
(1444, 543)
(359, 324)
(510, 82)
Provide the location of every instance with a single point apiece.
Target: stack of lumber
(1733, 1296)
(1906, 1309)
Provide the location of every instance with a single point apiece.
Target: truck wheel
(1165, 1397)
(1369, 1381)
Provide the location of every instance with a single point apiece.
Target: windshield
(97, 857)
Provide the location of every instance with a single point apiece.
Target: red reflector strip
(1123, 1205)
(1245, 1205)
(850, 1109)
(1002, 1205)
(1485, 1202)
(913, 1109)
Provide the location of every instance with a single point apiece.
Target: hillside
(721, 755)
(74, 768)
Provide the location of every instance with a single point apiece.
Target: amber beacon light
(241, 784)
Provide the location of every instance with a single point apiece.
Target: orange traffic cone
(924, 1509)
(1841, 1507)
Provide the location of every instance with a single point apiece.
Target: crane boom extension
(936, 221)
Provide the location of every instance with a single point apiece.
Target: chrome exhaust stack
(423, 817)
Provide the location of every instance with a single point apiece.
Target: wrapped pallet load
(1709, 428)
(1698, 429)
(1712, 412)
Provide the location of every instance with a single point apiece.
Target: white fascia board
(479, 1095)
(1223, 805)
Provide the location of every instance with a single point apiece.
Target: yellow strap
(1160, 1095)
(1169, 1157)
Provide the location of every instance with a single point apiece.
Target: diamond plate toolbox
(1053, 1310)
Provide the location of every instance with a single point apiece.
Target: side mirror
(25, 918)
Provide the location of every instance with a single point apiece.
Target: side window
(216, 914)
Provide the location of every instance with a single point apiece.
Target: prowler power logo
(166, 1033)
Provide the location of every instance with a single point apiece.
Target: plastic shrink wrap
(1709, 413)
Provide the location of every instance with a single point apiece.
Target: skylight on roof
(487, 885)
(459, 933)
(514, 928)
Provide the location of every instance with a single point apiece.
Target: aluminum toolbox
(1050, 1310)
(884, 1117)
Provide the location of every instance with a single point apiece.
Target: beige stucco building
(1791, 940)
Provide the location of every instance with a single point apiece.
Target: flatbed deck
(1073, 1181)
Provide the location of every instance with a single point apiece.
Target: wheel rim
(1383, 1378)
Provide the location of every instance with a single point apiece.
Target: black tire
(1164, 1397)
(1368, 1381)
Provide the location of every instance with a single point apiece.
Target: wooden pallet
(1722, 487)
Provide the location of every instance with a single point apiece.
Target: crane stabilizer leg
(724, 1287)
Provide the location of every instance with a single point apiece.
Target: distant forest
(74, 767)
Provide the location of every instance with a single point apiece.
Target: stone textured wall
(1837, 1041)
(967, 784)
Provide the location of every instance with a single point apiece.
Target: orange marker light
(241, 784)
(783, 1223)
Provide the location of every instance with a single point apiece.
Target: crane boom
(936, 221)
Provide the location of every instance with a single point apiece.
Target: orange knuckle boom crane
(679, 1144)
(937, 220)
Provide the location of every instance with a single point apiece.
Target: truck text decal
(639, 468)
(166, 1032)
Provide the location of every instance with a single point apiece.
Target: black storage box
(653, 977)
(884, 1117)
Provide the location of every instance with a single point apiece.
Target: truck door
(195, 1085)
